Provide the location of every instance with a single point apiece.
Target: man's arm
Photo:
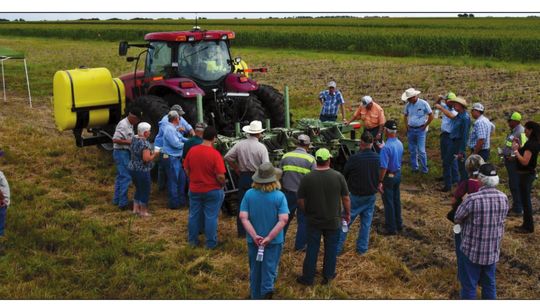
(221, 179)
(342, 112)
(301, 204)
(478, 146)
(429, 120)
(346, 200)
(446, 112)
(406, 122)
(462, 211)
(244, 218)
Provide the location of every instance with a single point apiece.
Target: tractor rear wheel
(153, 109)
(274, 104)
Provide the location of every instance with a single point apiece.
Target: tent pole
(3, 82)
(27, 83)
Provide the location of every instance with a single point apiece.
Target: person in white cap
(372, 115)
(479, 139)
(417, 116)
(244, 158)
(295, 165)
(331, 100)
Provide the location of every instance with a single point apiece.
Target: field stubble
(66, 240)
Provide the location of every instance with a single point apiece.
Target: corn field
(508, 39)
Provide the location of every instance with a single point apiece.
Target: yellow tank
(87, 98)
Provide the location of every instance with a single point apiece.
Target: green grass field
(65, 240)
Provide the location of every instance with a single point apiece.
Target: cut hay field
(65, 240)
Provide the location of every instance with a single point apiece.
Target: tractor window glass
(159, 58)
(205, 60)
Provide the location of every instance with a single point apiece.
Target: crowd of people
(326, 202)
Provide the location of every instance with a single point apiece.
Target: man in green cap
(320, 195)
(516, 134)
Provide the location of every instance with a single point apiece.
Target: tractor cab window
(206, 60)
(158, 59)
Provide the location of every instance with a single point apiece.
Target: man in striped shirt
(481, 216)
(331, 100)
(295, 165)
(481, 132)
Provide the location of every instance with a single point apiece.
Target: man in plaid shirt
(480, 134)
(481, 217)
(331, 100)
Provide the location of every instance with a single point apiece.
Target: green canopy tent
(8, 54)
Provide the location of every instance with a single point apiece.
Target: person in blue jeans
(4, 202)
(121, 155)
(449, 162)
(206, 171)
(417, 116)
(140, 165)
(321, 194)
(390, 179)
(362, 174)
(264, 213)
(173, 143)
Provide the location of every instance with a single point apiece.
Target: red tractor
(181, 65)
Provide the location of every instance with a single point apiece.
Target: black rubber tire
(153, 109)
(188, 105)
(253, 110)
(274, 104)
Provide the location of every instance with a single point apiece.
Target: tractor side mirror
(123, 48)
(237, 60)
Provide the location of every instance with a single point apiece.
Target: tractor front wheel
(188, 105)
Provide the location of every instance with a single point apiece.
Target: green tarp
(5, 52)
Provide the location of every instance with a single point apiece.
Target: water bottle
(437, 112)
(344, 226)
(260, 254)
(457, 228)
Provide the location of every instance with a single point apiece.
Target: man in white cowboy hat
(244, 158)
(417, 116)
(331, 99)
(372, 115)
(479, 139)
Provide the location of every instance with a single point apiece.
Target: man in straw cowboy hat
(417, 116)
(321, 195)
(459, 134)
(445, 105)
(331, 100)
(244, 158)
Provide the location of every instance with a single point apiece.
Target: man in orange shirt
(373, 117)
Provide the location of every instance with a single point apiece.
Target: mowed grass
(64, 239)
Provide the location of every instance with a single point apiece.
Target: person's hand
(346, 122)
(380, 188)
(378, 137)
(460, 155)
(515, 146)
(423, 127)
(265, 241)
(258, 240)
(438, 106)
(347, 218)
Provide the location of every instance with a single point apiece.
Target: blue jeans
(472, 274)
(362, 206)
(455, 144)
(417, 148)
(513, 183)
(330, 238)
(450, 164)
(300, 241)
(484, 153)
(525, 186)
(324, 117)
(162, 172)
(207, 204)
(123, 178)
(176, 182)
(392, 203)
(3, 211)
(244, 184)
(262, 275)
(459, 254)
(142, 182)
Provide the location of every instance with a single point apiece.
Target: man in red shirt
(206, 171)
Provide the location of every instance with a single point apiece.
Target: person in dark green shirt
(320, 196)
(194, 140)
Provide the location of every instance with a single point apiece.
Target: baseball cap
(488, 170)
(323, 154)
(331, 84)
(178, 109)
(515, 116)
(366, 100)
(450, 96)
(390, 125)
(478, 107)
(304, 140)
(200, 126)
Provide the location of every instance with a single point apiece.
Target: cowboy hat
(459, 100)
(411, 92)
(255, 127)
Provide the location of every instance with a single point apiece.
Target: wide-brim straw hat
(411, 92)
(459, 100)
(255, 127)
(266, 173)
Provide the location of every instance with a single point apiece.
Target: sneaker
(303, 281)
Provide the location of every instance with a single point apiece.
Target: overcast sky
(74, 16)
